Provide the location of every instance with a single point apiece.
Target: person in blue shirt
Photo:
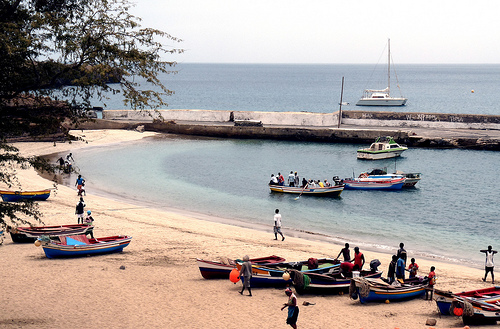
(400, 268)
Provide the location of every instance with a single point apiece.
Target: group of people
(294, 181)
(83, 217)
(66, 165)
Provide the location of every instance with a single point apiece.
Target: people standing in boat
(277, 225)
(79, 211)
(488, 267)
(311, 183)
(304, 183)
(274, 180)
(246, 274)
(320, 183)
(391, 273)
(281, 179)
(345, 252)
(402, 252)
(291, 179)
(327, 184)
(293, 308)
(296, 179)
(359, 258)
(413, 268)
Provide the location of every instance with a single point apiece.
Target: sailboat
(373, 97)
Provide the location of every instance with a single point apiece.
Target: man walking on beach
(79, 210)
(277, 225)
(489, 263)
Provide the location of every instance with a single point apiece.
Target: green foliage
(58, 55)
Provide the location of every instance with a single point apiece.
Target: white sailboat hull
(382, 101)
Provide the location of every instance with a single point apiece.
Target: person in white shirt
(488, 267)
(277, 225)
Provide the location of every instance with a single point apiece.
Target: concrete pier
(414, 129)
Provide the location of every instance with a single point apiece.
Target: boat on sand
(222, 268)
(29, 234)
(15, 196)
(80, 245)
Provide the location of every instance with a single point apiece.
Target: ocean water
(317, 88)
(450, 215)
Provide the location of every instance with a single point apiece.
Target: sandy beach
(161, 286)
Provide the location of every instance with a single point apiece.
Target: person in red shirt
(359, 258)
(413, 268)
(432, 282)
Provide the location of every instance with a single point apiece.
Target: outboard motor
(374, 264)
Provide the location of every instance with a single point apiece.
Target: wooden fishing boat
(334, 191)
(80, 245)
(377, 290)
(375, 182)
(475, 312)
(330, 282)
(272, 275)
(444, 299)
(15, 196)
(221, 269)
(382, 148)
(29, 234)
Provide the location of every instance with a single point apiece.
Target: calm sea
(450, 215)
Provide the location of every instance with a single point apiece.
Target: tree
(56, 56)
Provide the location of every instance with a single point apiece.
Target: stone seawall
(415, 129)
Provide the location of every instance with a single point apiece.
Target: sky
(327, 31)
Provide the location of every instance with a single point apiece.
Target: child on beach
(293, 308)
(432, 281)
(413, 268)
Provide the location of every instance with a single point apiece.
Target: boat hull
(382, 102)
(373, 185)
(219, 270)
(444, 299)
(110, 245)
(16, 196)
(333, 191)
(383, 292)
(374, 155)
(330, 284)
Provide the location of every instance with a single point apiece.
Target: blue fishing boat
(15, 196)
(377, 290)
(330, 283)
(80, 245)
(375, 181)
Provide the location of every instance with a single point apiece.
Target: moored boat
(375, 97)
(377, 290)
(80, 245)
(411, 178)
(15, 196)
(368, 181)
(222, 269)
(382, 148)
(29, 234)
(334, 191)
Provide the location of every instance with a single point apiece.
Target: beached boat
(374, 97)
(80, 245)
(444, 299)
(221, 269)
(330, 282)
(365, 181)
(475, 312)
(334, 191)
(272, 275)
(29, 234)
(377, 290)
(383, 148)
(15, 196)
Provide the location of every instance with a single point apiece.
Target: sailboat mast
(389, 65)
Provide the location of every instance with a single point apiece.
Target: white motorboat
(382, 148)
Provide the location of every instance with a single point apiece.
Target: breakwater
(415, 129)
